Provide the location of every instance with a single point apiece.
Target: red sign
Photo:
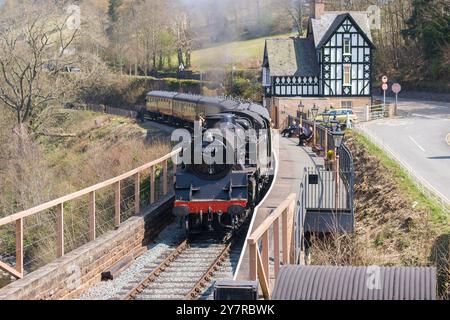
(396, 88)
(384, 86)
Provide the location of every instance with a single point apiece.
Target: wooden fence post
(60, 230)
(152, 184)
(284, 236)
(263, 277)
(265, 253)
(165, 184)
(276, 245)
(19, 245)
(92, 216)
(117, 200)
(137, 193)
(253, 261)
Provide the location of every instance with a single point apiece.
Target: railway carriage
(217, 195)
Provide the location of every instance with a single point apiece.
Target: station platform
(291, 161)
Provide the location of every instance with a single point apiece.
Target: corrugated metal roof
(352, 283)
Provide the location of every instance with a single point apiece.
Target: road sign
(396, 88)
(384, 79)
(384, 86)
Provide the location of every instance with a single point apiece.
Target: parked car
(340, 115)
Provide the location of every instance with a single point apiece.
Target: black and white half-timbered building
(330, 67)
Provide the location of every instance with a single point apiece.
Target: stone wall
(70, 275)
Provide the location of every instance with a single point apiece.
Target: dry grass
(79, 149)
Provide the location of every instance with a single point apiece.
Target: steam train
(225, 164)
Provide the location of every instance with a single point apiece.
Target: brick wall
(281, 108)
(70, 275)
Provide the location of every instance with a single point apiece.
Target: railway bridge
(122, 220)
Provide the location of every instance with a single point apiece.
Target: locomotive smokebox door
(235, 290)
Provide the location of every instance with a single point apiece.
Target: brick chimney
(317, 8)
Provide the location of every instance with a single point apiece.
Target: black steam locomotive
(230, 157)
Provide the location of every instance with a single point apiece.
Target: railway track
(186, 272)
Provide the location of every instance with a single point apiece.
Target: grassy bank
(243, 54)
(406, 183)
(395, 223)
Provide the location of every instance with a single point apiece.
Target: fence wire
(40, 229)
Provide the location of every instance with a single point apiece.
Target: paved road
(420, 137)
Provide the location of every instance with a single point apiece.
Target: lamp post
(301, 107)
(338, 136)
(314, 112)
(326, 120)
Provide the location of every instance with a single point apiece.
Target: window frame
(347, 40)
(349, 67)
(347, 104)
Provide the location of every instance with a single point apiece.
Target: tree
(294, 9)
(112, 9)
(184, 39)
(429, 26)
(34, 50)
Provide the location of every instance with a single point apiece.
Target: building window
(346, 104)
(266, 77)
(347, 47)
(347, 75)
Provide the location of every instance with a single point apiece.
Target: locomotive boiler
(225, 165)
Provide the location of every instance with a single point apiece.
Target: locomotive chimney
(317, 8)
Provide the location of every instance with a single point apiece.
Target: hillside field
(242, 54)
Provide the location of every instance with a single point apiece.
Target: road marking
(447, 138)
(428, 117)
(412, 139)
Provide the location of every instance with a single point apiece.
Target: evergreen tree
(112, 9)
(429, 24)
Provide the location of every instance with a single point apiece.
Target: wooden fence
(18, 218)
(259, 246)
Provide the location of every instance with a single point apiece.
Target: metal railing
(377, 111)
(58, 207)
(324, 193)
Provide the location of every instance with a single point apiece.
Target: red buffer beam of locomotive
(196, 207)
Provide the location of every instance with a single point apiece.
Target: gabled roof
(323, 28)
(297, 56)
(291, 57)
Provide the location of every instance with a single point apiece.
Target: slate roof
(293, 56)
(328, 22)
(297, 56)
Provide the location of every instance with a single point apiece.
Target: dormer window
(347, 46)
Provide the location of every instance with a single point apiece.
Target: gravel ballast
(166, 241)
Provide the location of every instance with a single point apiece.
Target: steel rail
(209, 274)
(130, 295)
